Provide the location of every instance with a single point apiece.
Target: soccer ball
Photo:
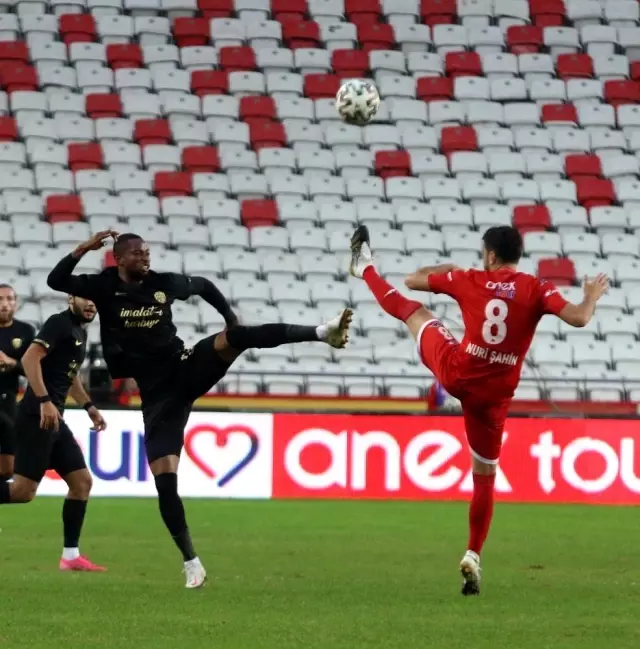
(357, 101)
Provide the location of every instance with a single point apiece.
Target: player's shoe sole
(338, 335)
(470, 572)
(359, 237)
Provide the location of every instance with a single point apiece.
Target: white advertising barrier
(226, 455)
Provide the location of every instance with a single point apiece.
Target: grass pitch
(322, 575)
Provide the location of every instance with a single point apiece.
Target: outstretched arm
(419, 281)
(61, 278)
(579, 315)
(210, 293)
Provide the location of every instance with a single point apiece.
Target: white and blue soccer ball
(357, 101)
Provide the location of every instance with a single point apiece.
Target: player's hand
(97, 241)
(6, 360)
(594, 289)
(99, 422)
(49, 416)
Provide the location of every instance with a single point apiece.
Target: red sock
(480, 511)
(388, 297)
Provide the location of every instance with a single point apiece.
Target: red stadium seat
(191, 32)
(267, 135)
(574, 66)
(209, 82)
(18, 77)
(15, 51)
(8, 129)
(389, 164)
(284, 10)
(151, 131)
(63, 208)
(363, 12)
(103, 105)
(349, 64)
(298, 34)
(434, 88)
(77, 28)
(378, 36)
(172, 183)
(524, 39)
(583, 165)
(257, 108)
(547, 13)
(634, 70)
(595, 192)
(85, 155)
(458, 138)
(216, 8)
(257, 212)
(531, 218)
(559, 113)
(124, 56)
(463, 64)
(109, 260)
(561, 271)
(321, 86)
(237, 59)
(618, 93)
(438, 12)
(200, 159)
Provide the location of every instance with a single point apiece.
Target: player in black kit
(139, 340)
(15, 337)
(43, 439)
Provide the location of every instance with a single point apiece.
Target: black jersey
(14, 341)
(64, 336)
(136, 325)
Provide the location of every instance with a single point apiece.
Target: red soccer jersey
(501, 310)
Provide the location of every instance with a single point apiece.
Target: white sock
(193, 562)
(69, 554)
(322, 331)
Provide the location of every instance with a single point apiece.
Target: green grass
(325, 575)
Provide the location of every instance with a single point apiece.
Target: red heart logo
(220, 439)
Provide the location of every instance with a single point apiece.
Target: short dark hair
(8, 286)
(505, 242)
(122, 241)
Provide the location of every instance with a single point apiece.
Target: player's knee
(237, 338)
(480, 467)
(23, 491)
(81, 485)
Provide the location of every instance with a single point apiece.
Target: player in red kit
(501, 308)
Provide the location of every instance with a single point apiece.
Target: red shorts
(483, 419)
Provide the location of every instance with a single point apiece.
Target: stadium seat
(63, 208)
(559, 271)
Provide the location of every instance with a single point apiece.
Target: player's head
(132, 255)
(84, 310)
(503, 246)
(8, 303)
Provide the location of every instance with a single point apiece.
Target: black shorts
(38, 450)
(8, 410)
(168, 396)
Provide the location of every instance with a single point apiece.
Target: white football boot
(470, 570)
(361, 256)
(336, 332)
(195, 573)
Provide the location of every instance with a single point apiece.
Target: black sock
(269, 335)
(172, 512)
(73, 512)
(5, 493)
